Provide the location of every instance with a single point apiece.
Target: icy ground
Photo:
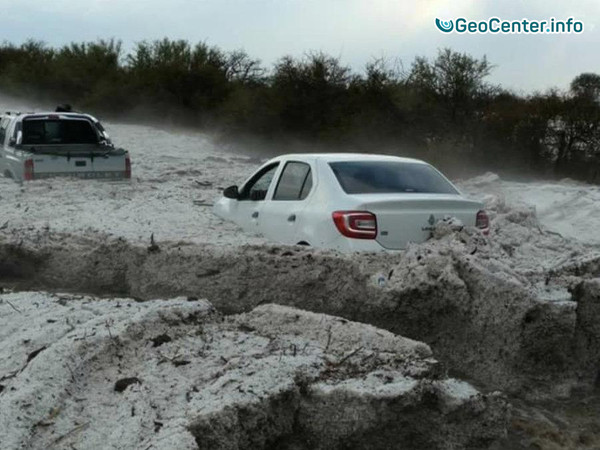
(178, 175)
(566, 207)
(501, 309)
(117, 374)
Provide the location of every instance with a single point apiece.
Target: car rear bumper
(345, 244)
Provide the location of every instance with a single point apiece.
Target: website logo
(445, 26)
(495, 25)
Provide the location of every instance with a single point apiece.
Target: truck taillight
(28, 174)
(483, 222)
(356, 224)
(127, 167)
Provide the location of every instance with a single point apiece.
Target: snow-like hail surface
(176, 178)
(566, 207)
(89, 373)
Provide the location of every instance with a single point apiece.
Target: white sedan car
(347, 201)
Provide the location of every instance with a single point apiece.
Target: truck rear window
(58, 131)
(385, 177)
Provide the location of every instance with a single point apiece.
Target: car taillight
(356, 224)
(127, 167)
(28, 175)
(483, 222)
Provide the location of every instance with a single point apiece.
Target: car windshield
(371, 177)
(57, 131)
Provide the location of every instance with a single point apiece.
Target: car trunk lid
(405, 218)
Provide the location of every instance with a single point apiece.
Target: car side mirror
(231, 192)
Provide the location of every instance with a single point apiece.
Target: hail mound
(92, 373)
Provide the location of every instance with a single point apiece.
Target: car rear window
(58, 131)
(371, 177)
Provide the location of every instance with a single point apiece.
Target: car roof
(21, 116)
(338, 157)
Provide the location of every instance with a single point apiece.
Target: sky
(357, 31)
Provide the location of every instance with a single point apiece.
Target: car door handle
(292, 218)
(255, 214)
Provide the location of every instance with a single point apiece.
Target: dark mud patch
(18, 263)
(124, 383)
(555, 424)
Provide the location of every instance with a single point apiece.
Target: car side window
(4, 130)
(256, 189)
(294, 183)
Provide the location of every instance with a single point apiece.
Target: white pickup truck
(53, 144)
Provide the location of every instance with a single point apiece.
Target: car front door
(252, 198)
(283, 210)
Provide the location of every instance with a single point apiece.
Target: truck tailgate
(80, 166)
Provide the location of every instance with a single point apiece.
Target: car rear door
(283, 212)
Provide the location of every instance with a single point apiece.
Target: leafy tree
(573, 128)
(586, 85)
(309, 94)
(457, 80)
(442, 109)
